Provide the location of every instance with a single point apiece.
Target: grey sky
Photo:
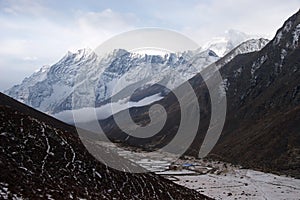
(34, 33)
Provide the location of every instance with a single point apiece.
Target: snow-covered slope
(21, 92)
(245, 47)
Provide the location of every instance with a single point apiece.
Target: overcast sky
(34, 33)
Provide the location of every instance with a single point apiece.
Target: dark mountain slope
(262, 126)
(263, 96)
(41, 161)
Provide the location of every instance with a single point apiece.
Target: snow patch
(278, 38)
(237, 72)
(257, 64)
(296, 35)
(288, 26)
(283, 54)
(223, 87)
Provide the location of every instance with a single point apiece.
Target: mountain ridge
(50, 90)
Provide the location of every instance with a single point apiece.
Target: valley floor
(241, 184)
(216, 179)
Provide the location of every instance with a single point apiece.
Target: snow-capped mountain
(51, 89)
(224, 44)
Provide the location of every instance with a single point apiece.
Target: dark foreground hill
(262, 127)
(41, 159)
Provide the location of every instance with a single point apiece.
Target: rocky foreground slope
(42, 158)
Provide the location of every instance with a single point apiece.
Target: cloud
(96, 27)
(103, 112)
(29, 42)
(30, 58)
(48, 29)
(107, 20)
(206, 19)
(24, 7)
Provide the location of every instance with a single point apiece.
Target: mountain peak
(221, 45)
(119, 52)
(233, 34)
(77, 55)
(43, 69)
